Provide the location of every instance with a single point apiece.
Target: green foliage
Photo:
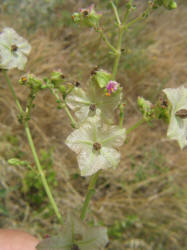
(3, 194)
(32, 189)
(10, 146)
(119, 227)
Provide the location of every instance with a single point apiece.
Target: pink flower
(111, 87)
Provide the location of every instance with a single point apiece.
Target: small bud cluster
(32, 82)
(87, 17)
(168, 4)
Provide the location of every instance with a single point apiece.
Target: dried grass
(159, 200)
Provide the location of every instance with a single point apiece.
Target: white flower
(177, 129)
(84, 103)
(95, 145)
(76, 235)
(13, 49)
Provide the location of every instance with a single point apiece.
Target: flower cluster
(85, 103)
(168, 4)
(97, 139)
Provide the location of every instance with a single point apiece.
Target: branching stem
(35, 156)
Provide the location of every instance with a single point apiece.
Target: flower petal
(90, 163)
(13, 59)
(177, 97)
(112, 136)
(78, 101)
(111, 155)
(95, 238)
(177, 129)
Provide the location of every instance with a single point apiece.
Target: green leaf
(102, 78)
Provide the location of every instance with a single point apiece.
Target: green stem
(121, 115)
(73, 122)
(91, 191)
(13, 92)
(122, 28)
(139, 18)
(136, 125)
(36, 159)
(106, 40)
(127, 11)
(116, 13)
(134, 21)
(42, 175)
(64, 105)
(118, 54)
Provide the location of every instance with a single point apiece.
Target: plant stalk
(91, 191)
(118, 54)
(35, 156)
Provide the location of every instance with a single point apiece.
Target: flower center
(85, 12)
(77, 84)
(92, 107)
(14, 48)
(96, 146)
(182, 113)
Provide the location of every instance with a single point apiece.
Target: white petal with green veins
(177, 129)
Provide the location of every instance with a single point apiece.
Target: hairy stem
(42, 175)
(121, 115)
(64, 105)
(118, 54)
(91, 191)
(116, 13)
(35, 156)
(73, 122)
(105, 39)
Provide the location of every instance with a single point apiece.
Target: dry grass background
(144, 202)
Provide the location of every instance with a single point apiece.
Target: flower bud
(57, 78)
(32, 82)
(76, 17)
(23, 80)
(168, 4)
(145, 108)
(172, 5)
(87, 17)
(17, 162)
